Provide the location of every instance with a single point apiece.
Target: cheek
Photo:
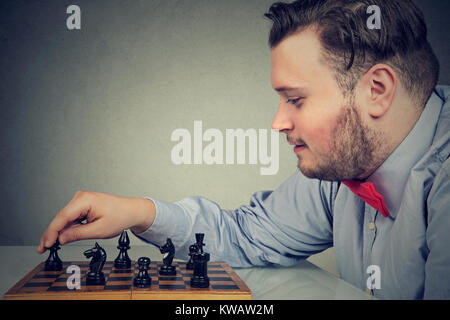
(317, 132)
(322, 140)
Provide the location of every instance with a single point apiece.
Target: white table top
(302, 281)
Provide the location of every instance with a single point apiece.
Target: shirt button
(371, 226)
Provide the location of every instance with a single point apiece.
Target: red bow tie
(366, 191)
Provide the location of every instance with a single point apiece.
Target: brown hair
(351, 48)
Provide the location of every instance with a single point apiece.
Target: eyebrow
(284, 89)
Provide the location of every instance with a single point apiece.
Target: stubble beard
(355, 151)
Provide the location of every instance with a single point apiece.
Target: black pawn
(200, 276)
(123, 261)
(143, 280)
(53, 262)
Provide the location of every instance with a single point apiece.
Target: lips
(299, 147)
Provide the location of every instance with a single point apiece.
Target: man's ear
(380, 84)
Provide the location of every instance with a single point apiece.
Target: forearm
(169, 221)
(272, 229)
(145, 212)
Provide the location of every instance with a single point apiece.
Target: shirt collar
(390, 178)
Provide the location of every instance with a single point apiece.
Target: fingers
(106, 216)
(75, 210)
(80, 232)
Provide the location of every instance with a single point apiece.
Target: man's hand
(105, 216)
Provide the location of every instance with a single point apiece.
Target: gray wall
(94, 108)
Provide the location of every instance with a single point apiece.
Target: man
(371, 133)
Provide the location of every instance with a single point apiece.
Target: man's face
(325, 128)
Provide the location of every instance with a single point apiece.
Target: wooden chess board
(52, 285)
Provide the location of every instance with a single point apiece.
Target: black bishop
(123, 261)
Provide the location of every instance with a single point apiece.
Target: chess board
(52, 285)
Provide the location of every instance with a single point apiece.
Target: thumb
(79, 232)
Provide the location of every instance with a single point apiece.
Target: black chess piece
(143, 280)
(95, 275)
(123, 261)
(168, 249)
(193, 249)
(53, 262)
(200, 277)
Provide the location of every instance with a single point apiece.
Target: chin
(306, 171)
(315, 172)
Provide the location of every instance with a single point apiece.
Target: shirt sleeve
(437, 266)
(278, 227)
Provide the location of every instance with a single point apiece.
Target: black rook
(200, 276)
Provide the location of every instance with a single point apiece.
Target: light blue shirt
(305, 216)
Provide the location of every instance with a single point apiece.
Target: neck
(394, 127)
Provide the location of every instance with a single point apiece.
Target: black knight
(95, 275)
(168, 249)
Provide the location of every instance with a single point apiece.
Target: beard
(355, 150)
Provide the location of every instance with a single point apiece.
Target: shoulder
(436, 162)
(439, 195)
(430, 171)
(430, 177)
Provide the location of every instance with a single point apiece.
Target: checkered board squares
(218, 277)
(224, 283)
(40, 284)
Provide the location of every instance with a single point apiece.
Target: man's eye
(293, 101)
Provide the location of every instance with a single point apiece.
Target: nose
(282, 120)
